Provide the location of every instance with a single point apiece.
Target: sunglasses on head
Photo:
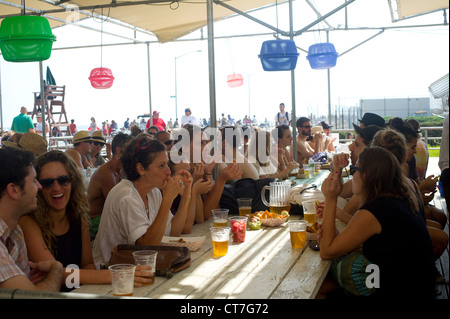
(99, 143)
(142, 144)
(63, 181)
(353, 169)
(168, 142)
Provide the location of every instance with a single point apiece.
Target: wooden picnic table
(265, 266)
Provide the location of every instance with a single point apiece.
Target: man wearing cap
(363, 138)
(187, 118)
(94, 156)
(82, 144)
(103, 180)
(22, 123)
(371, 119)
(326, 129)
(156, 121)
(38, 128)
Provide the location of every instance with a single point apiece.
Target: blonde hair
(393, 141)
(77, 208)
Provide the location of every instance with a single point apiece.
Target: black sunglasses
(63, 181)
(99, 143)
(353, 169)
(168, 142)
(307, 126)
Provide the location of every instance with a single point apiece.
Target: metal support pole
(43, 102)
(211, 63)
(1, 105)
(149, 82)
(293, 113)
(329, 89)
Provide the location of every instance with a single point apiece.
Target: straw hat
(33, 142)
(81, 136)
(98, 136)
(316, 129)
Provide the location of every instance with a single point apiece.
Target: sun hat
(372, 119)
(82, 136)
(34, 142)
(98, 136)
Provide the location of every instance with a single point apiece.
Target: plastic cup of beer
(297, 230)
(238, 228)
(316, 167)
(309, 211)
(220, 237)
(245, 206)
(147, 258)
(220, 217)
(122, 279)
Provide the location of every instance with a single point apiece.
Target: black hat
(367, 133)
(372, 119)
(325, 125)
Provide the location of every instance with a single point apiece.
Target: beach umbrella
(49, 77)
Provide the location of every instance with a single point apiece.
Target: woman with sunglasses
(394, 238)
(137, 209)
(58, 229)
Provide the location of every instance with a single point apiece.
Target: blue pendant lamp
(322, 56)
(278, 55)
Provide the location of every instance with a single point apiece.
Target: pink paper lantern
(101, 78)
(235, 80)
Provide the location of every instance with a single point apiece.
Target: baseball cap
(155, 112)
(325, 125)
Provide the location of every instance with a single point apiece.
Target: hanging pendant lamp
(101, 78)
(26, 39)
(278, 55)
(235, 80)
(322, 56)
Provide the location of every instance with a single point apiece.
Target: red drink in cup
(238, 228)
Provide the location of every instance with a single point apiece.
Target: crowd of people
(158, 182)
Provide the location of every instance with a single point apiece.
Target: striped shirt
(13, 253)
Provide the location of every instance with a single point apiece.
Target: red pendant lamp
(101, 78)
(235, 80)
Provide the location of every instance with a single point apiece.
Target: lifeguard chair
(54, 106)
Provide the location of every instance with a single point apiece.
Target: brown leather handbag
(168, 261)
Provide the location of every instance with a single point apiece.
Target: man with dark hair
(104, 179)
(304, 150)
(282, 117)
(18, 190)
(364, 136)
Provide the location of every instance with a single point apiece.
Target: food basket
(193, 243)
(273, 222)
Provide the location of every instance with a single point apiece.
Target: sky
(397, 64)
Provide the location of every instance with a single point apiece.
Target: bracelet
(208, 173)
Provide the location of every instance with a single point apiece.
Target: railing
(424, 135)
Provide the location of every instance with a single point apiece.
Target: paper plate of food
(193, 243)
(271, 219)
